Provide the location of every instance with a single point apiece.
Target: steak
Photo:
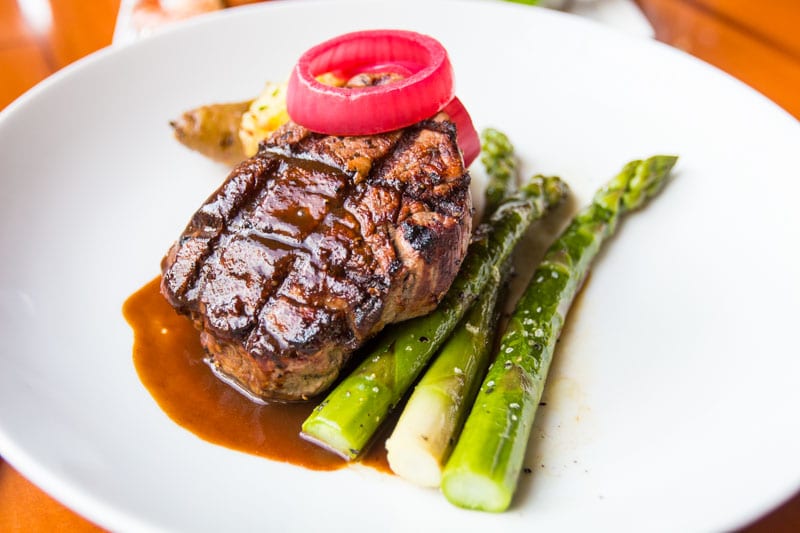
(315, 244)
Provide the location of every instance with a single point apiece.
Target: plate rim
(89, 505)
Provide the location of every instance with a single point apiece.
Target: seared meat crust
(314, 245)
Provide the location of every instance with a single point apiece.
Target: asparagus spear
(497, 156)
(431, 419)
(424, 435)
(346, 420)
(483, 470)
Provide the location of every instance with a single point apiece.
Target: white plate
(673, 401)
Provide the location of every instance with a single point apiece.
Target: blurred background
(754, 41)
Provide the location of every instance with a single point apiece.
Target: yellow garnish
(266, 114)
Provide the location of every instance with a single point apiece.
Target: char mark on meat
(314, 245)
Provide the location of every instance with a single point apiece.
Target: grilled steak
(314, 245)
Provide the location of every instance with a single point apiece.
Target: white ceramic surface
(673, 401)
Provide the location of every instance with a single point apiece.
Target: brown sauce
(170, 362)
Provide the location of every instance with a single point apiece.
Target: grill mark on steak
(183, 261)
(275, 228)
(312, 246)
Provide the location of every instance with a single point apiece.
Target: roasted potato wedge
(213, 130)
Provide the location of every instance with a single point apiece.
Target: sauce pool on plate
(170, 362)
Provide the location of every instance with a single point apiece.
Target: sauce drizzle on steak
(312, 246)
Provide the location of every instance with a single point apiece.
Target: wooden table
(757, 42)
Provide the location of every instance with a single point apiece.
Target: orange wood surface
(755, 41)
